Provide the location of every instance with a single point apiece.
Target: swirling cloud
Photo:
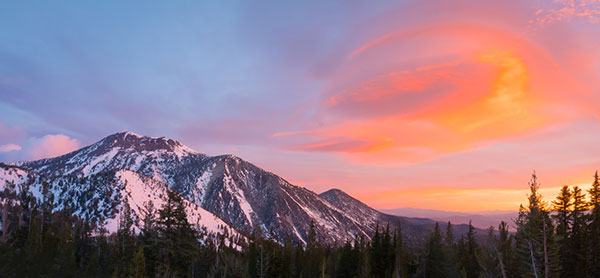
(486, 84)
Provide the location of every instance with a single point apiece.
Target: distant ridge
(482, 220)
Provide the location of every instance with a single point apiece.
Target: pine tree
(535, 237)
(563, 206)
(313, 254)
(64, 258)
(450, 249)
(505, 251)
(469, 257)
(435, 261)
(594, 229)
(364, 270)
(577, 241)
(496, 255)
(381, 253)
(401, 256)
(286, 257)
(387, 252)
(149, 238)
(138, 263)
(177, 237)
(347, 264)
(374, 251)
(490, 263)
(125, 241)
(263, 262)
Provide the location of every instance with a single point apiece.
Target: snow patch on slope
(95, 166)
(239, 196)
(201, 185)
(14, 175)
(140, 190)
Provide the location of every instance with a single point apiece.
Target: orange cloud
(489, 85)
(504, 110)
(418, 133)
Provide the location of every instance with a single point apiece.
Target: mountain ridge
(241, 194)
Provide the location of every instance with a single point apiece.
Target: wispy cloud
(566, 10)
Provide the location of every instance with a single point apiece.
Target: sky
(445, 105)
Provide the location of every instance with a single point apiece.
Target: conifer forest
(560, 238)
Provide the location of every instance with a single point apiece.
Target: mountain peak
(341, 198)
(333, 191)
(128, 133)
(336, 194)
(140, 143)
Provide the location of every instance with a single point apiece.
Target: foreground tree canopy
(560, 239)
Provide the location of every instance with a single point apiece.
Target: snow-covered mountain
(101, 196)
(224, 191)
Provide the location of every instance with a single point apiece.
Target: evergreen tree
(230, 266)
(505, 251)
(125, 241)
(148, 238)
(450, 249)
(487, 257)
(177, 239)
(382, 253)
(138, 264)
(577, 240)
(496, 255)
(535, 237)
(563, 206)
(401, 255)
(285, 257)
(593, 254)
(364, 270)
(468, 256)
(313, 254)
(348, 262)
(435, 261)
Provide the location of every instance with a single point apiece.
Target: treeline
(557, 239)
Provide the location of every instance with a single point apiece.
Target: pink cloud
(51, 146)
(565, 10)
(9, 148)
